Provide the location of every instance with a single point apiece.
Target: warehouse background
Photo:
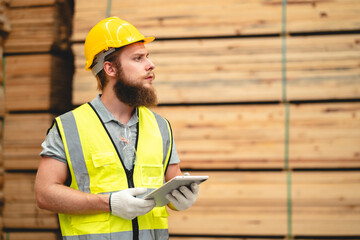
(263, 96)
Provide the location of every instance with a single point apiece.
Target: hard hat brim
(149, 39)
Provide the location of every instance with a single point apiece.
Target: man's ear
(109, 69)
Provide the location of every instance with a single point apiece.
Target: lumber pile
(244, 70)
(23, 135)
(4, 29)
(248, 137)
(248, 202)
(263, 97)
(38, 71)
(39, 67)
(20, 210)
(38, 82)
(39, 26)
(235, 203)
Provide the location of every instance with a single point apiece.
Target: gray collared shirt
(123, 135)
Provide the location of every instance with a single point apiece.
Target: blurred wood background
(263, 96)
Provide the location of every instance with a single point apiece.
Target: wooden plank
(2, 101)
(30, 235)
(324, 135)
(314, 16)
(235, 203)
(39, 29)
(203, 71)
(323, 67)
(228, 137)
(174, 19)
(326, 203)
(38, 82)
(32, 3)
(23, 135)
(20, 210)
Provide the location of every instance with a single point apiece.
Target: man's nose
(150, 66)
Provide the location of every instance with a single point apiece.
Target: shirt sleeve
(53, 146)
(174, 158)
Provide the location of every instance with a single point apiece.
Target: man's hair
(101, 77)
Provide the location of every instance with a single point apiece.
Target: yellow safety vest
(95, 167)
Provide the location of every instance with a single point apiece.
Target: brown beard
(134, 94)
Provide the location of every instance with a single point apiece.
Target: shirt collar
(107, 116)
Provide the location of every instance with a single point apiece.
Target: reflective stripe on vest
(95, 167)
(158, 234)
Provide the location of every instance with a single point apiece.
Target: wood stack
(4, 29)
(38, 79)
(266, 106)
(39, 62)
(247, 89)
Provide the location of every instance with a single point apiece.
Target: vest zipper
(135, 223)
(129, 173)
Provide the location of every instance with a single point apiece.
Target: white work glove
(124, 203)
(183, 198)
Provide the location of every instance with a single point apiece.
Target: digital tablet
(159, 194)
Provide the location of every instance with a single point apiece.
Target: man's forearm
(62, 199)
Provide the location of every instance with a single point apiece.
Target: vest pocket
(152, 175)
(106, 174)
(92, 223)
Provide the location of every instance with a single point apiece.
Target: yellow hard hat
(111, 32)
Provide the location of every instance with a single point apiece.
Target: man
(98, 158)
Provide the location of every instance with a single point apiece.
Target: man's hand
(124, 203)
(183, 198)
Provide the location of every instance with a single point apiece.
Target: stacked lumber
(38, 71)
(248, 137)
(209, 18)
(323, 67)
(39, 26)
(244, 70)
(38, 82)
(23, 135)
(39, 67)
(20, 211)
(326, 203)
(4, 29)
(256, 202)
(276, 166)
